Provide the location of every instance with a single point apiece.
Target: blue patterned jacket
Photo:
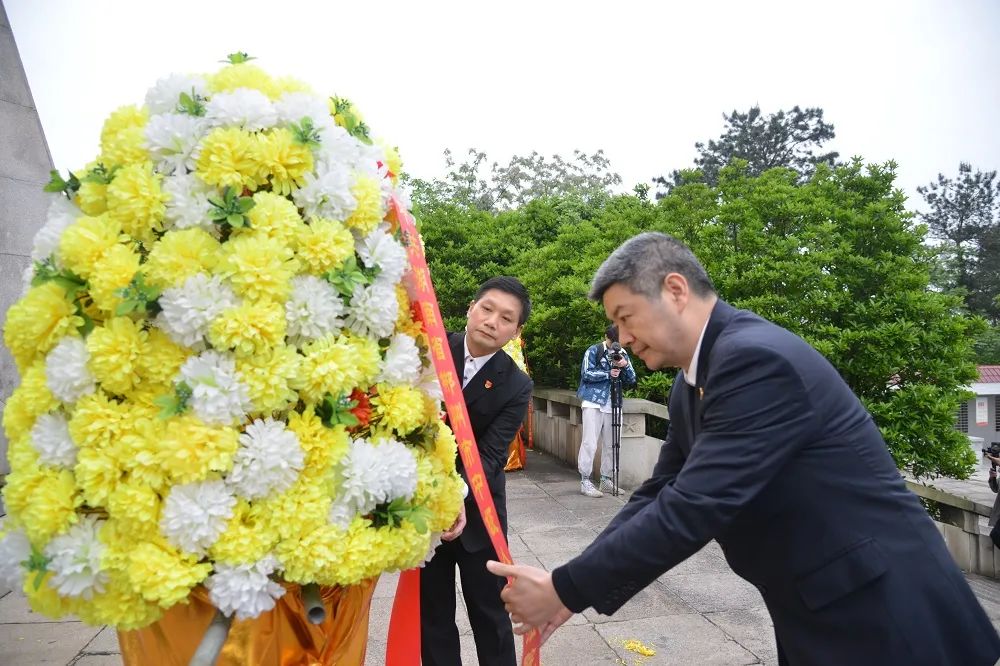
(595, 375)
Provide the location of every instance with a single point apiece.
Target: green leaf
(231, 209)
(138, 296)
(334, 411)
(174, 403)
(350, 275)
(305, 133)
(38, 563)
(58, 184)
(193, 104)
(238, 57)
(100, 175)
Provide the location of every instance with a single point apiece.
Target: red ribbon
(403, 638)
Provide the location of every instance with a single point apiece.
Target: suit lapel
(488, 379)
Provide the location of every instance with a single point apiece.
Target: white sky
(910, 80)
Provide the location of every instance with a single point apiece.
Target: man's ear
(675, 287)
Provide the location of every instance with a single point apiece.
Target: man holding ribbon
(496, 394)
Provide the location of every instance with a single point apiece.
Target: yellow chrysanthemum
(139, 448)
(28, 401)
(116, 350)
(288, 84)
(258, 268)
(163, 574)
(330, 366)
(228, 158)
(119, 606)
(274, 217)
(98, 422)
(313, 557)
(367, 358)
(179, 255)
(322, 245)
(439, 489)
(44, 599)
(22, 454)
(243, 75)
(323, 446)
(445, 447)
(113, 271)
(393, 162)
(253, 328)
(98, 472)
(369, 211)
(37, 322)
(405, 323)
(282, 161)
(136, 201)
(297, 511)
(191, 450)
(92, 197)
(398, 408)
(44, 499)
(268, 375)
(123, 137)
(136, 507)
(162, 359)
(84, 241)
(246, 539)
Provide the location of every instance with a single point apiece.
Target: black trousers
(491, 627)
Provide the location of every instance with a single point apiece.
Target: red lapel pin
(488, 384)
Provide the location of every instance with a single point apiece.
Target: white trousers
(596, 428)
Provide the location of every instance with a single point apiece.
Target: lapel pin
(488, 384)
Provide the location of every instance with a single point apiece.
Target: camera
(615, 355)
(993, 449)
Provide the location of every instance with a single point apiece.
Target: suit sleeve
(494, 444)
(756, 417)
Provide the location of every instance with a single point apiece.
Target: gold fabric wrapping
(515, 455)
(281, 637)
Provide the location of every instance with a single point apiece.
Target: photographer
(598, 368)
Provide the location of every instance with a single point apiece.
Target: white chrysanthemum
(66, 371)
(337, 148)
(243, 107)
(313, 309)
(294, 106)
(218, 394)
(246, 590)
(61, 214)
(380, 249)
(402, 361)
(375, 473)
(14, 549)
(341, 513)
(75, 560)
(268, 461)
(373, 310)
(171, 139)
(188, 310)
(402, 193)
(327, 195)
(195, 514)
(165, 96)
(187, 205)
(435, 542)
(50, 437)
(430, 385)
(368, 159)
(27, 275)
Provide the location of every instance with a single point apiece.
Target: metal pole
(616, 431)
(312, 600)
(212, 642)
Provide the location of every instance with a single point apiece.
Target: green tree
(790, 139)
(477, 183)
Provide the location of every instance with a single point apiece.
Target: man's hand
(992, 459)
(530, 598)
(622, 362)
(456, 528)
(615, 372)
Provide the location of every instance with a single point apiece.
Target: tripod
(616, 430)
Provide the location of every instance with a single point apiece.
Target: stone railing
(962, 523)
(558, 428)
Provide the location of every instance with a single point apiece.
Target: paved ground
(698, 613)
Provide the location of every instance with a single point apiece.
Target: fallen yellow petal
(638, 648)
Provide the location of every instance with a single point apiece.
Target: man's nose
(624, 337)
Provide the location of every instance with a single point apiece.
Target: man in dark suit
(771, 454)
(496, 394)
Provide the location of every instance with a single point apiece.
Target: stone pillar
(24, 169)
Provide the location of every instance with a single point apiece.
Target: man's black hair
(611, 333)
